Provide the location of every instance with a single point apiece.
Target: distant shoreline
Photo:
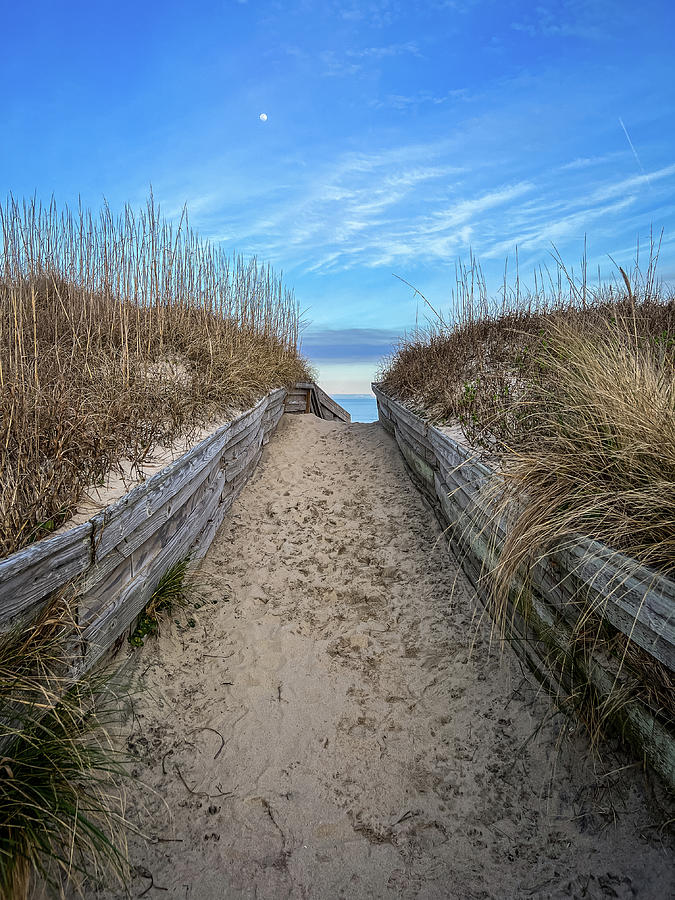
(361, 407)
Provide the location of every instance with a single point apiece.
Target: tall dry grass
(594, 448)
(572, 388)
(470, 364)
(571, 391)
(118, 333)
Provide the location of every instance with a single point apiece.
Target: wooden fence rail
(116, 558)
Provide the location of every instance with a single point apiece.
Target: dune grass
(570, 392)
(574, 393)
(118, 334)
(61, 800)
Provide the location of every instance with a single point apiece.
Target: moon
(263, 117)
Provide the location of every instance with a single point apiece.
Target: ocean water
(361, 407)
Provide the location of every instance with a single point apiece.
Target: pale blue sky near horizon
(399, 137)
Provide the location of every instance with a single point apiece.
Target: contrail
(630, 143)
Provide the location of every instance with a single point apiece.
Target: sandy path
(323, 731)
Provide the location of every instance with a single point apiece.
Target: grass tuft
(594, 451)
(171, 593)
(61, 812)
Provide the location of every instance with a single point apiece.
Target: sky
(399, 138)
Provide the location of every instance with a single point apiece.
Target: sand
(337, 724)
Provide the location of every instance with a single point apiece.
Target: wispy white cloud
(469, 209)
(554, 231)
(410, 177)
(377, 13)
(571, 19)
(408, 206)
(409, 48)
(630, 185)
(337, 65)
(352, 62)
(421, 98)
(586, 162)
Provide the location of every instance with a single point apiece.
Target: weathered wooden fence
(306, 397)
(586, 575)
(118, 556)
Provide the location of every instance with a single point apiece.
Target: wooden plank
(308, 397)
(469, 495)
(455, 455)
(178, 522)
(419, 466)
(138, 527)
(387, 425)
(276, 396)
(473, 530)
(321, 398)
(28, 576)
(99, 574)
(419, 443)
(241, 439)
(122, 518)
(324, 400)
(271, 425)
(314, 405)
(118, 615)
(132, 537)
(209, 510)
(203, 540)
(242, 462)
(567, 594)
(383, 413)
(644, 599)
(635, 599)
(236, 448)
(636, 602)
(405, 415)
(156, 524)
(134, 553)
(631, 718)
(273, 409)
(31, 574)
(230, 494)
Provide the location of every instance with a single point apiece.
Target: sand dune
(327, 729)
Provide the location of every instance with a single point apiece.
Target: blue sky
(400, 136)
